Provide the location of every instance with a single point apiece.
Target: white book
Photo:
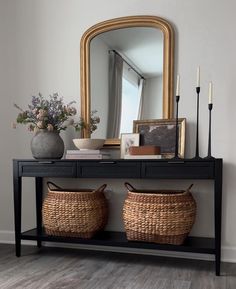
(86, 157)
(136, 157)
(82, 152)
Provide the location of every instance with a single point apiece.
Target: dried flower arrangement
(53, 115)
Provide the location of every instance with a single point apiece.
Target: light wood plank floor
(53, 268)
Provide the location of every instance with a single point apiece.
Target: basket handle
(102, 188)
(189, 188)
(49, 184)
(129, 187)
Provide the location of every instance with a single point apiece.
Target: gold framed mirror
(138, 31)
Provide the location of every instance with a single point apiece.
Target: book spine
(134, 157)
(79, 157)
(81, 152)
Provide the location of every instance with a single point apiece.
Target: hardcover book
(82, 152)
(136, 157)
(87, 156)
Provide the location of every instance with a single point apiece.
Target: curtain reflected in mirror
(126, 92)
(132, 88)
(126, 71)
(115, 94)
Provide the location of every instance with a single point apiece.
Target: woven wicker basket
(74, 213)
(158, 216)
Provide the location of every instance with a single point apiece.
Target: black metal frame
(197, 128)
(209, 156)
(123, 169)
(177, 128)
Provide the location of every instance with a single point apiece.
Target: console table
(124, 169)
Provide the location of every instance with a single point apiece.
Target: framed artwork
(161, 132)
(128, 140)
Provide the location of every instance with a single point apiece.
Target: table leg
(218, 212)
(17, 187)
(39, 198)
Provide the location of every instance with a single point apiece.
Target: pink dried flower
(72, 110)
(50, 127)
(40, 124)
(42, 114)
(36, 129)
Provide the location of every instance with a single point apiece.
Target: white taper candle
(177, 85)
(210, 92)
(198, 76)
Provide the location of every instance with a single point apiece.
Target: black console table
(147, 169)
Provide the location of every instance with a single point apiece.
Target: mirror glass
(126, 78)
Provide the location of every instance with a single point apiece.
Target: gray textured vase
(47, 145)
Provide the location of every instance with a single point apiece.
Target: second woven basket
(159, 216)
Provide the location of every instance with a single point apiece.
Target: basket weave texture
(79, 213)
(158, 216)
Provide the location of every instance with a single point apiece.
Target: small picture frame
(162, 132)
(128, 140)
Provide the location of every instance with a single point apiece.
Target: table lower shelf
(118, 239)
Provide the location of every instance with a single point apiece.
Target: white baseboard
(7, 237)
(228, 253)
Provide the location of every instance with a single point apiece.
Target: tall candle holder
(209, 156)
(176, 128)
(197, 138)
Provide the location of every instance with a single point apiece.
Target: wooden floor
(71, 269)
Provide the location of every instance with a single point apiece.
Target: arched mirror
(126, 73)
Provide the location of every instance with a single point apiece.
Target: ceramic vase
(47, 145)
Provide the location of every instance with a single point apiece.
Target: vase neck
(44, 130)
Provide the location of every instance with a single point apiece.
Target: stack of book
(86, 154)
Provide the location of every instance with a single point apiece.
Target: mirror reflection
(126, 73)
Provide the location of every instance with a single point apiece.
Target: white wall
(8, 147)
(39, 51)
(153, 103)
